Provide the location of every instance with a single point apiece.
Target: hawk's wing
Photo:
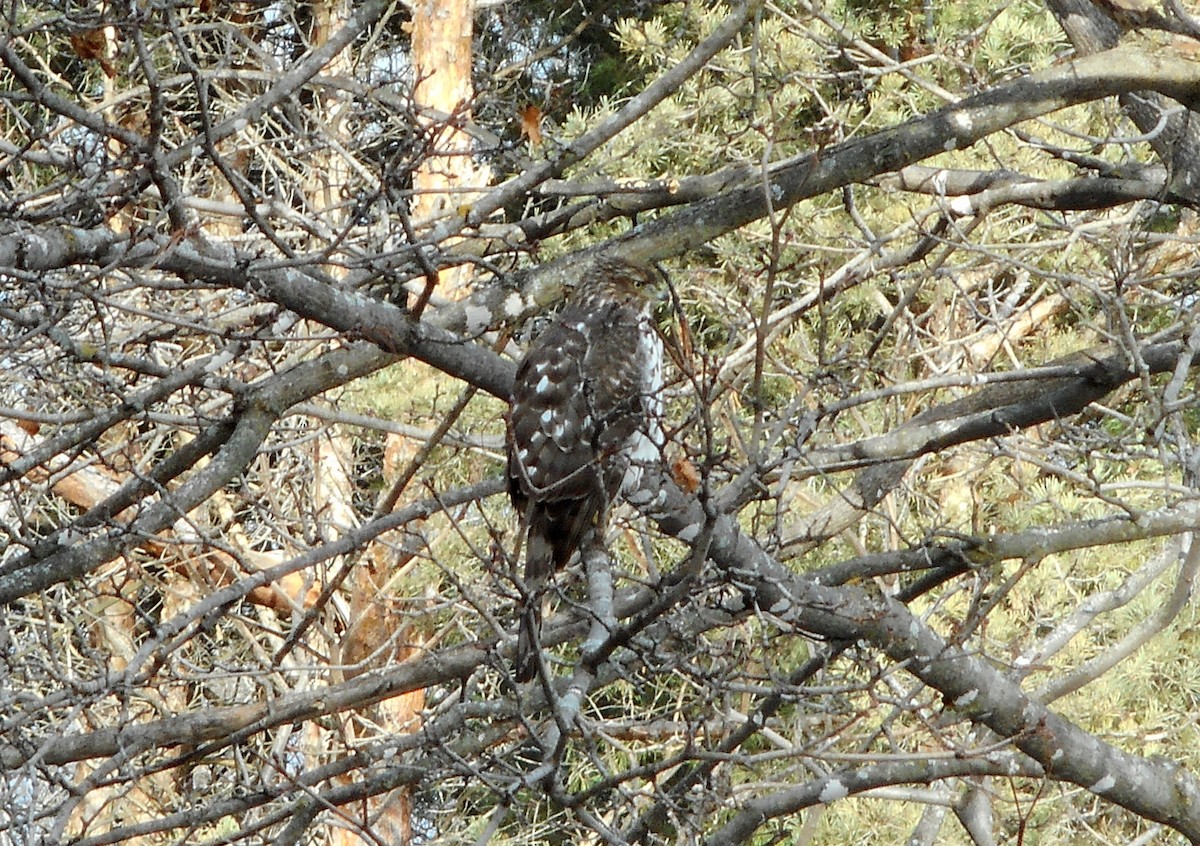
(553, 429)
(554, 475)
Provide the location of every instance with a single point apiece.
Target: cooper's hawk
(584, 423)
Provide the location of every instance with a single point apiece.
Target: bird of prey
(585, 421)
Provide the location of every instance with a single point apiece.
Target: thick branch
(46, 248)
(851, 782)
(952, 127)
(1094, 29)
(976, 689)
(250, 426)
(994, 411)
(1003, 408)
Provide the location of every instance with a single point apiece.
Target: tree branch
(251, 424)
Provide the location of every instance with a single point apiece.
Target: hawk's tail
(539, 564)
(528, 637)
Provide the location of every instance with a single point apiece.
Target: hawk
(584, 423)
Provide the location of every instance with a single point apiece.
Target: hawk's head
(616, 280)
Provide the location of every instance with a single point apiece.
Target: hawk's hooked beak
(669, 317)
(660, 292)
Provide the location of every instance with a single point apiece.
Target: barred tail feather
(539, 565)
(528, 641)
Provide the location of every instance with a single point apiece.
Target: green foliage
(832, 327)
